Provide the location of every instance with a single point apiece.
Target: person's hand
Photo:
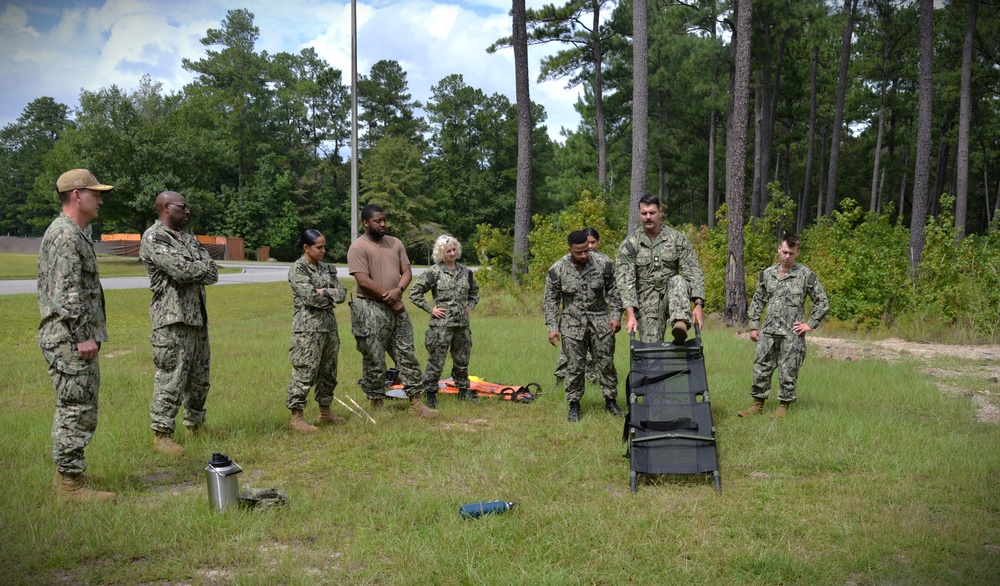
(88, 349)
(754, 334)
(615, 326)
(631, 325)
(392, 296)
(801, 328)
(698, 316)
(398, 307)
(321, 291)
(553, 336)
(438, 312)
(468, 309)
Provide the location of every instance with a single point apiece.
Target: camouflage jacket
(314, 312)
(588, 297)
(451, 290)
(785, 298)
(70, 297)
(644, 266)
(179, 267)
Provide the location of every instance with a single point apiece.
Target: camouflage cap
(79, 179)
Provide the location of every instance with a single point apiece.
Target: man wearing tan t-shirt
(379, 320)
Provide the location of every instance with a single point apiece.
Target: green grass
(25, 266)
(876, 477)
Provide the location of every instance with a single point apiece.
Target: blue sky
(56, 48)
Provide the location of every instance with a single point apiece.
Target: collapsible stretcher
(669, 426)
(515, 393)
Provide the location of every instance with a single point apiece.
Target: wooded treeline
(257, 141)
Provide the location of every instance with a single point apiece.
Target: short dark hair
(649, 199)
(308, 237)
(591, 232)
(64, 196)
(370, 210)
(791, 239)
(577, 237)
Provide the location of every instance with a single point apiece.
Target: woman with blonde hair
(455, 292)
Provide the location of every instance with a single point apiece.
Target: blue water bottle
(476, 510)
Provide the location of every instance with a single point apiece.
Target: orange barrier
(220, 247)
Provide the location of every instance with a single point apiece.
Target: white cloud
(48, 52)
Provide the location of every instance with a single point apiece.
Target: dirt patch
(981, 364)
(466, 425)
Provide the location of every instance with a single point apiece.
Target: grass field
(876, 477)
(25, 266)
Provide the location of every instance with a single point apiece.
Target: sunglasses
(183, 206)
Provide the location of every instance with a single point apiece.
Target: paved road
(251, 273)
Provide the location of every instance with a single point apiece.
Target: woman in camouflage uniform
(315, 341)
(455, 294)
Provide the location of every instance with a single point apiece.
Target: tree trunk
(804, 210)
(922, 171)
(522, 205)
(711, 170)
(661, 172)
(822, 161)
(964, 116)
(902, 183)
(770, 120)
(758, 123)
(736, 294)
(640, 109)
(878, 141)
(941, 170)
(602, 145)
(838, 113)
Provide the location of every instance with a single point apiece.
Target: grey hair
(442, 241)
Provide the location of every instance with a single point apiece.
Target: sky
(57, 48)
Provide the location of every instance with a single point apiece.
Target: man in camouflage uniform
(179, 267)
(379, 321)
(584, 287)
(783, 289)
(593, 242)
(455, 293)
(72, 327)
(658, 277)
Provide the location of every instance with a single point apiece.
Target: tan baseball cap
(79, 179)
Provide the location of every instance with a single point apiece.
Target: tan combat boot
(418, 408)
(680, 332)
(164, 444)
(327, 416)
(298, 423)
(781, 411)
(70, 488)
(756, 409)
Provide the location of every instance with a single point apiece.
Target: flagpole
(354, 120)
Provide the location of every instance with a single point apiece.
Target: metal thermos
(475, 510)
(223, 484)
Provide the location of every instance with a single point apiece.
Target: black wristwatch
(700, 303)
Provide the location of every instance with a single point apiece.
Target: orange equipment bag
(520, 394)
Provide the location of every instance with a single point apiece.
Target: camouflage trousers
(784, 353)
(562, 363)
(440, 339)
(602, 351)
(181, 355)
(378, 330)
(77, 382)
(314, 362)
(658, 310)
